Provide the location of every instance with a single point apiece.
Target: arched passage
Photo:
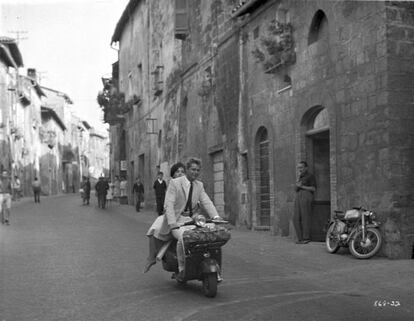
(262, 170)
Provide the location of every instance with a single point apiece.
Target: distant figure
(110, 194)
(160, 186)
(123, 186)
(5, 197)
(138, 190)
(16, 187)
(86, 186)
(101, 188)
(117, 191)
(36, 190)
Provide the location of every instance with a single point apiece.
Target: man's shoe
(305, 241)
(148, 266)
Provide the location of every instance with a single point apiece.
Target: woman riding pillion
(155, 238)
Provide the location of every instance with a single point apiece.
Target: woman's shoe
(148, 266)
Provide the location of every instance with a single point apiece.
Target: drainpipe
(242, 149)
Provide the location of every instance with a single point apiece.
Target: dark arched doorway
(262, 178)
(316, 123)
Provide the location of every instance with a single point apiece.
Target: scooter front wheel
(210, 284)
(364, 249)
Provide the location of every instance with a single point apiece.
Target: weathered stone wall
(396, 197)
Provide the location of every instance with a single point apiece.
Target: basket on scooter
(202, 238)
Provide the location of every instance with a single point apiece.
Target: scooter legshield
(209, 266)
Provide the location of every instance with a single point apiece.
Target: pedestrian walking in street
(36, 190)
(5, 197)
(101, 188)
(16, 188)
(117, 191)
(160, 186)
(155, 238)
(138, 190)
(110, 194)
(305, 188)
(86, 187)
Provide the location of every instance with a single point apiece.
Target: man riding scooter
(181, 202)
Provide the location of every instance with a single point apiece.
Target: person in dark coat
(102, 188)
(138, 190)
(160, 186)
(86, 186)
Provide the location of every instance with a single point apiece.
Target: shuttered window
(181, 19)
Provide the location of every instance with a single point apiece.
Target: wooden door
(321, 170)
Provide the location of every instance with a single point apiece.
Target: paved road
(63, 261)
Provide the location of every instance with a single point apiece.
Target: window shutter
(181, 19)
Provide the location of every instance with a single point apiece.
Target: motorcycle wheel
(331, 241)
(367, 249)
(210, 284)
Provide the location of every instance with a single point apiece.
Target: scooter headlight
(372, 215)
(200, 220)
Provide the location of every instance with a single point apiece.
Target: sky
(68, 43)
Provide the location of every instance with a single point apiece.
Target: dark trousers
(86, 198)
(101, 200)
(302, 214)
(37, 196)
(138, 198)
(160, 204)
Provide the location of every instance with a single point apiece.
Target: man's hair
(192, 161)
(304, 163)
(160, 173)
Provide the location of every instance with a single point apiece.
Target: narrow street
(64, 261)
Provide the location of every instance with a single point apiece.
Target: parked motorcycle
(356, 228)
(203, 253)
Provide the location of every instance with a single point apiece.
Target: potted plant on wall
(275, 49)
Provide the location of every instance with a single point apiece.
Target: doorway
(318, 155)
(321, 170)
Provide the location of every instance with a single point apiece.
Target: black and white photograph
(198, 160)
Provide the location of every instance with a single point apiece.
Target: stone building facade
(254, 87)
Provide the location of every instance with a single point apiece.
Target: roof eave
(130, 7)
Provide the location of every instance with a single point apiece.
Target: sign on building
(123, 165)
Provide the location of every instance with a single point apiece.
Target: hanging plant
(275, 49)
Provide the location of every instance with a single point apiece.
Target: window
(181, 19)
(318, 24)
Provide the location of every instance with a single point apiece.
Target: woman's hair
(193, 160)
(175, 167)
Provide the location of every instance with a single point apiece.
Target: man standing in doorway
(160, 186)
(305, 188)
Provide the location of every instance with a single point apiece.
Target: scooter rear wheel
(210, 284)
(332, 241)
